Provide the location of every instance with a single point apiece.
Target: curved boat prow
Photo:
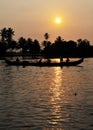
(82, 59)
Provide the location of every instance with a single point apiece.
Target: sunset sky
(71, 19)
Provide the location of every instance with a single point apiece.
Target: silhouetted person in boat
(67, 60)
(61, 59)
(17, 60)
(48, 61)
(40, 61)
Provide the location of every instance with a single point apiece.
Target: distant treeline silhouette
(59, 48)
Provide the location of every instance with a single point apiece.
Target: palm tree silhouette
(45, 42)
(46, 35)
(22, 43)
(3, 34)
(10, 34)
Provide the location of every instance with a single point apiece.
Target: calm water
(34, 98)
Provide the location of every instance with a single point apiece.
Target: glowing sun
(57, 20)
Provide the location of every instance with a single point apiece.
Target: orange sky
(33, 18)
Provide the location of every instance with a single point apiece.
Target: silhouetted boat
(44, 64)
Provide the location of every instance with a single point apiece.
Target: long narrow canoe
(44, 64)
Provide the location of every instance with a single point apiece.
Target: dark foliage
(60, 47)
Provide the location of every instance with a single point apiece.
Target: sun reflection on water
(56, 97)
(56, 85)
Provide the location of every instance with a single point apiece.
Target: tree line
(59, 48)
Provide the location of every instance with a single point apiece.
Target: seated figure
(67, 60)
(17, 59)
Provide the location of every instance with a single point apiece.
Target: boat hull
(43, 64)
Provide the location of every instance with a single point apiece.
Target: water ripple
(34, 98)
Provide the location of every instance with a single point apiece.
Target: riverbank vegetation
(29, 47)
